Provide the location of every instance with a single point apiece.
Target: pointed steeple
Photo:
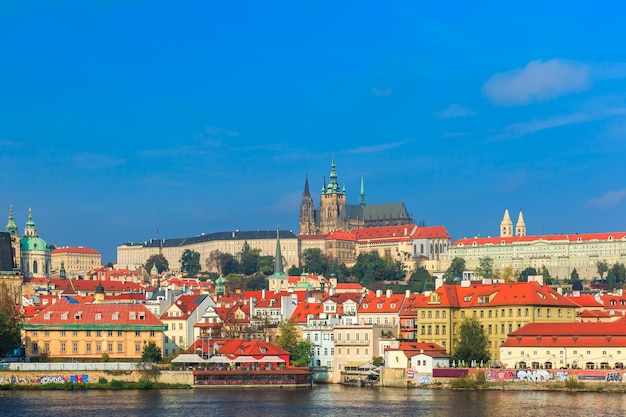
(362, 196)
(11, 226)
(506, 225)
(30, 230)
(333, 185)
(306, 187)
(520, 227)
(279, 270)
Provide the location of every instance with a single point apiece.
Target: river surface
(324, 400)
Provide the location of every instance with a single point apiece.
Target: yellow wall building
(87, 331)
(500, 309)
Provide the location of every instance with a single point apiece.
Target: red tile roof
(340, 235)
(580, 334)
(63, 313)
(488, 295)
(584, 237)
(75, 249)
(303, 310)
(256, 348)
(383, 304)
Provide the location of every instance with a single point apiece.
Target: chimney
(379, 293)
(263, 294)
(389, 293)
(407, 293)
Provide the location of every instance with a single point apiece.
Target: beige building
(356, 345)
(133, 255)
(560, 254)
(566, 345)
(75, 259)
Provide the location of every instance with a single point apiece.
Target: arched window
(35, 267)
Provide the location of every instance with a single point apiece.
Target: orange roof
(341, 235)
(402, 232)
(75, 249)
(303, 310)
(383, 304)
(312, 237)
(488, 295)
(64, 313)
(254, 347)
(585, 300)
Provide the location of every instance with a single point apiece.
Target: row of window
(89, 333)
(494, 313)
(88, 347)
(357, 352)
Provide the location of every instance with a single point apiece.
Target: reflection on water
(325, 400)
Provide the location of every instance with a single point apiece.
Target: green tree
(523, 276)
(160, 261)
(370, 267)
(485, 268)
(294, 271)
(289, 337)
(190, 263)
(302, 354)
(574, 276)
(472, 345)
(314, 261)
(455, 270)
(602, 268)
(248, 259)
(151, 353)
(257, 282)
(10, 320)
(507, 274)
(265, 264)
(616, 276)
(545, 273)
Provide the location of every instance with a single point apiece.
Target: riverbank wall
(18, 377)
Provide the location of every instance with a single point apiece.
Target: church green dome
(33, 243)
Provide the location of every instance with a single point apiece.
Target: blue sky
(121, 118)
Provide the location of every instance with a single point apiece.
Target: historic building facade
(560, 254)
(335, 214)
(75, 259)
(500, 309)
(132, 255)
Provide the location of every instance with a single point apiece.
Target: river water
(324, 400)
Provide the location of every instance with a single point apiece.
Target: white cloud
(538, 81)
(517, 130)
(609, 199)
(382, 92)
(375, 148)
(455, 110)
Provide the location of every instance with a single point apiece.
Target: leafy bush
(102, 380)
(115, 384)
(574, 384)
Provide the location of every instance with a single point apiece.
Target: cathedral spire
(362, 197)
(306, 187)
(11, 226)
(333, 185)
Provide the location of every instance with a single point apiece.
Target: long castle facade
(335, 214)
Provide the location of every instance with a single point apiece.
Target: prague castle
(335, 214)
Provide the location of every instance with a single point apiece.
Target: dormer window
(47, 316)
(64, 316)
(78, 315)
(132, 315)
(379, 306)
(98, 316)
(116, 316)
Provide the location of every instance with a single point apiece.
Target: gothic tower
(520, 227)
(15, 238)
(362, 195)
(506, 225)
(332, 201)
(307, 211)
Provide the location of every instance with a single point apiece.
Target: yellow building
(500, 309)
(87, 331)
(75, 259)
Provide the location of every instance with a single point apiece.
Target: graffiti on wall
(41, 380)
(499, 375)
(534, 375)
(613, 377)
